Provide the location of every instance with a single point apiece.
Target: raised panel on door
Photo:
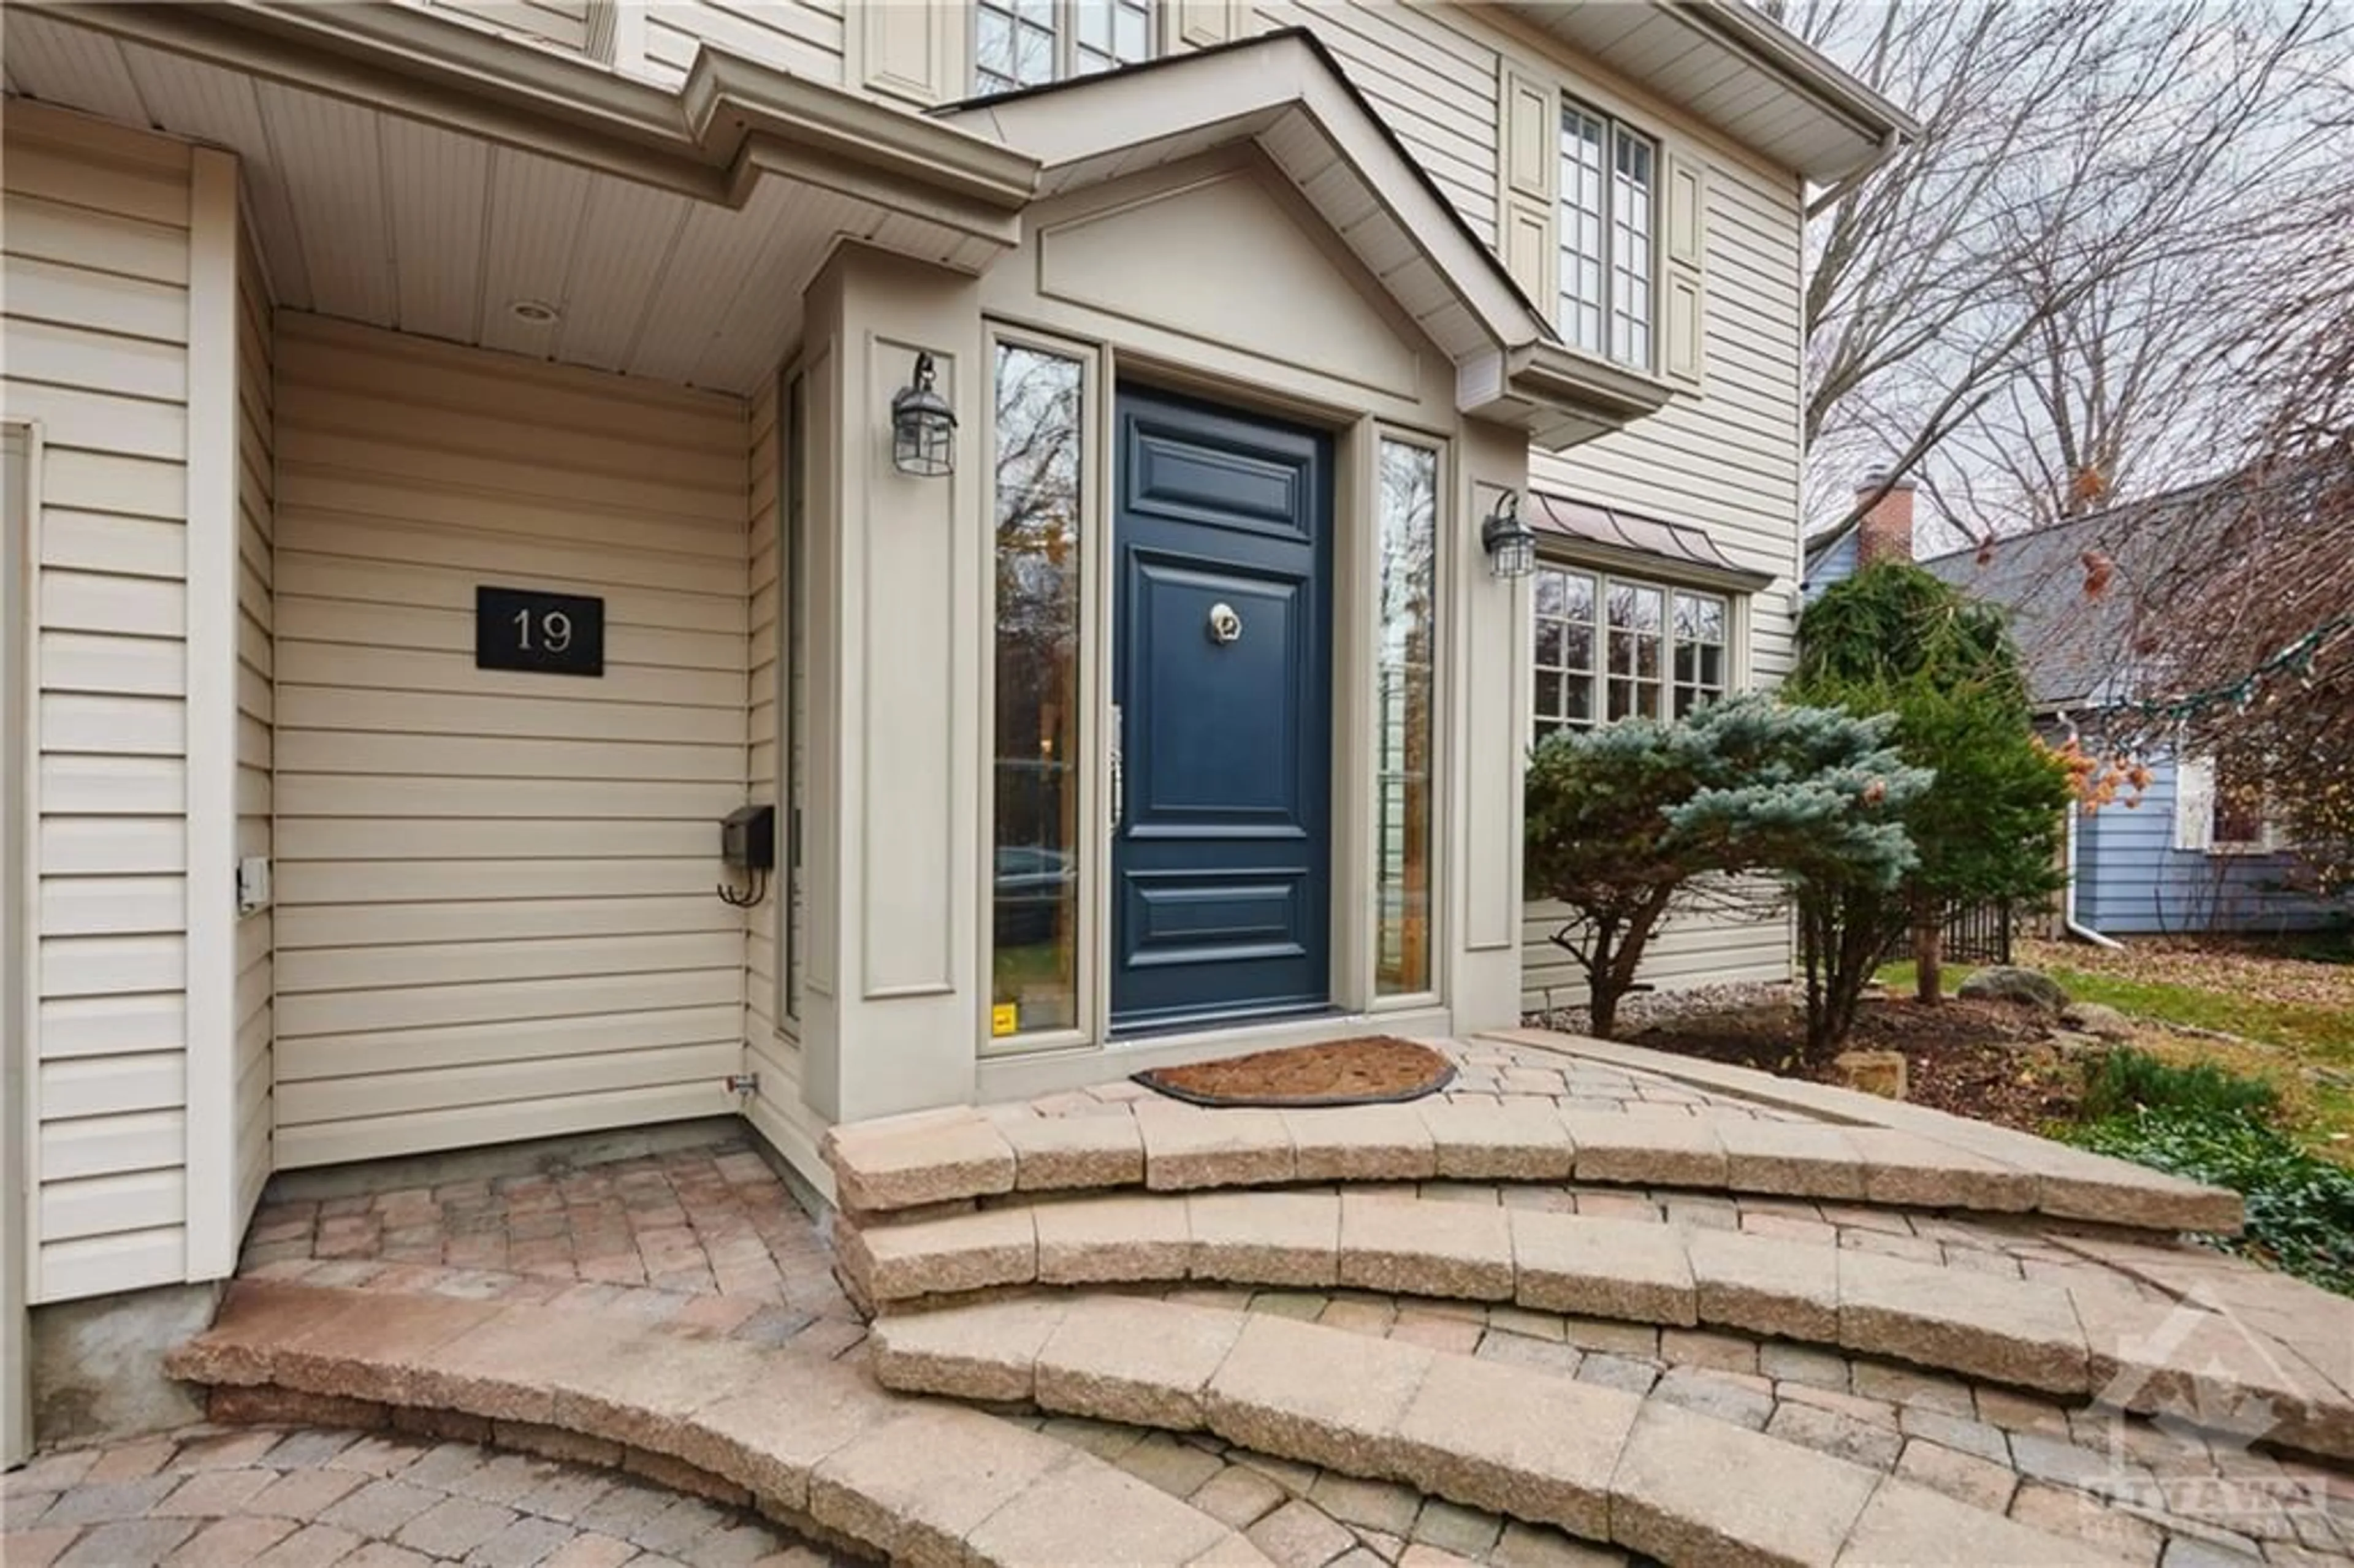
(1222, 670)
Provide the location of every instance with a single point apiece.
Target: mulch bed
(1976, 1059)
(1369, 1070)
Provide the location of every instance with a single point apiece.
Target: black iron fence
(1975, 934)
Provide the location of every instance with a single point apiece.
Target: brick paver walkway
(709, 1241)
(1485, 1070)
(706, 1238)
(213, 1498)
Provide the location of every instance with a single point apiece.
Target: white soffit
(370, 216)
(1735, 69)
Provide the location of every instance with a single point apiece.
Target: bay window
(1611, 647)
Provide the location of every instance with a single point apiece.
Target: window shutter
(1528, 140)
(2194, 803)
(1684, 284)
(1199, 23)
(914, 53)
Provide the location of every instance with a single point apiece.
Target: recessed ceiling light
(534, 312)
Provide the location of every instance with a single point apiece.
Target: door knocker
(1225, 626)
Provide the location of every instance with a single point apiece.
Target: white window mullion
(1605, 215)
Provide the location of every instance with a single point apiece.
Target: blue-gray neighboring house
(2195, 852)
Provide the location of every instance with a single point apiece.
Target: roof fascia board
(1470, 266)
(406, 61)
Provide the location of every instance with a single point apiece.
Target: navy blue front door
(1223, 671)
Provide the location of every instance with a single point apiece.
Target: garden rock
(1881, 1073)
(2098, 1019)
(2007, 982)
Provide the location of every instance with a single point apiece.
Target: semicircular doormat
(1372, 1069)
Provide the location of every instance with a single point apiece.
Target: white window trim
(2195, 800)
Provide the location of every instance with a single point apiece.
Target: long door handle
(1119, 773)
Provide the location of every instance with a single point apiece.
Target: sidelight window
(1036, 852)
(1403, 724)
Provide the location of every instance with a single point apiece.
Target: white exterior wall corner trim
(20, 517)
(214, 1225)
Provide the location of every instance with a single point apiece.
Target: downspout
(2076, 928)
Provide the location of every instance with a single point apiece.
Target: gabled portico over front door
(1223, 675)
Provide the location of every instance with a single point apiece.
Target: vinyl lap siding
(256, 478)
(95, 340)
(804, 37)
(2132, 881)
(564, 22)
(1836, 564)
(496, 907)
(1432, 81)
(1727, 459)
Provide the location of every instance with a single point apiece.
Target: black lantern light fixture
(923, 426)
(1512, 548)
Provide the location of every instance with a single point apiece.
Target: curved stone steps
(954, 1156)
(914, 1480)
(1597, 1462)
(2090, 1340)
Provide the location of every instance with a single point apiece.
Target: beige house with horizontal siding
(1048, 477)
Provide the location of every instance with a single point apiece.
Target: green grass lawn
(2306, 1027)
(2287, 1036)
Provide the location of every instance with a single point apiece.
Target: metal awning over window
(1606, 536)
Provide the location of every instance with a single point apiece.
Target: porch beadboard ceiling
(372, 217)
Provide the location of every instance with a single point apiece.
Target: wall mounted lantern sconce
(1512, 548)
(923, 426)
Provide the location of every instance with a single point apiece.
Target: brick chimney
(1886, 532)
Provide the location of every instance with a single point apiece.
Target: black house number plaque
(552, 633)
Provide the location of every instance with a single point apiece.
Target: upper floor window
(1608, 647)
(1028, 43)
(1609, 183)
